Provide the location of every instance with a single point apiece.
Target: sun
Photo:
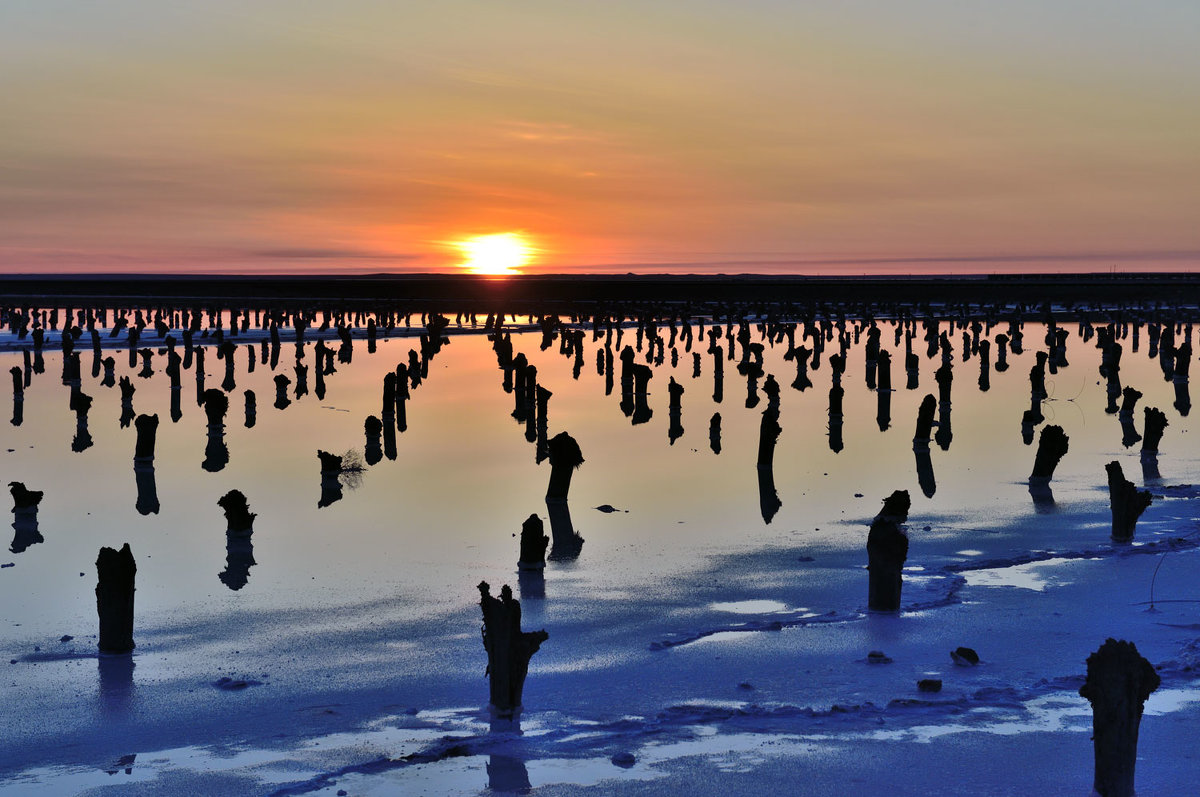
(501, 253)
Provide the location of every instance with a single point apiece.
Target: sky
(859, 136)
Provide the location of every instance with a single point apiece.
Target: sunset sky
(272, 136)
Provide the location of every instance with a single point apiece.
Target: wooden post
(887, 550)
(509, 650)
(114, 599)
(1118, 682)
(1127, 502)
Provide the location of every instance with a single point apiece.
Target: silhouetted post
(373, 428)
(924, 423)
(331, 485)
(1052, 445)
(1156, 423)
(1126, 501)
(251, 409)
(565, 458)
(1183, 397)
(543, 423)
(768, 434)
(884, 370)
(718, 374)
(1037, 377)
(533, 544)
(675, 427)
(1001, 353)
(281, 395)
(714, 433)
(18, 416)
(81, 403)
(887, 550)
(985, 379)
(1129, 399)
(509, 650)
(127, 390)
(402, 396)
(835, 416)
(1118, 682)
(239, 548)
(25, 520)
(114, 599)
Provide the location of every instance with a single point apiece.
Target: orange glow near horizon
(495, 255)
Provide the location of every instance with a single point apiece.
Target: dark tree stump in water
(1127, 502)
(1052, 445)
(1118, 682)
(533, 544)
(147, 431)
(565, 457)
(114, 599)
(1156, 422)
(887, 550)
(509, 649)
(924, 423)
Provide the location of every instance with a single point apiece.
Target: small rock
(878, 657)
(746, 685)
(607, 508)
(858, 495)
(341, 793)
(926, 528)
(624, 760)
(964, 657)
(66, 638)
(930, 684)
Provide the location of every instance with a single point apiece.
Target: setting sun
(501, 253)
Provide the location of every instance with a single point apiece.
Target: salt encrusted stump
(1118, 682)
(887, 549)
(114, 599)
(533, 544)
(509, 650)
(1127, 502)
(565, 457)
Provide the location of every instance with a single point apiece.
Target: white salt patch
(1025, 576)
(749, 607)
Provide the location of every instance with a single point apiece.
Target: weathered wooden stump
(114, 599)
(1126, 501)
(887, 550)
(1118, 682)
(509, 650)
(714, 433)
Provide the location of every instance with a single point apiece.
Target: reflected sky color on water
(329, 618)
(421, 530)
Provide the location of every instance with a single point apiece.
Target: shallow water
(372, 599)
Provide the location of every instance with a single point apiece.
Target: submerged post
(509, 650)
(114, 599)
(1118, 682)
(1127, 502)
(1052, 445)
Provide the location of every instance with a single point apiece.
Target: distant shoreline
(600, 288)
